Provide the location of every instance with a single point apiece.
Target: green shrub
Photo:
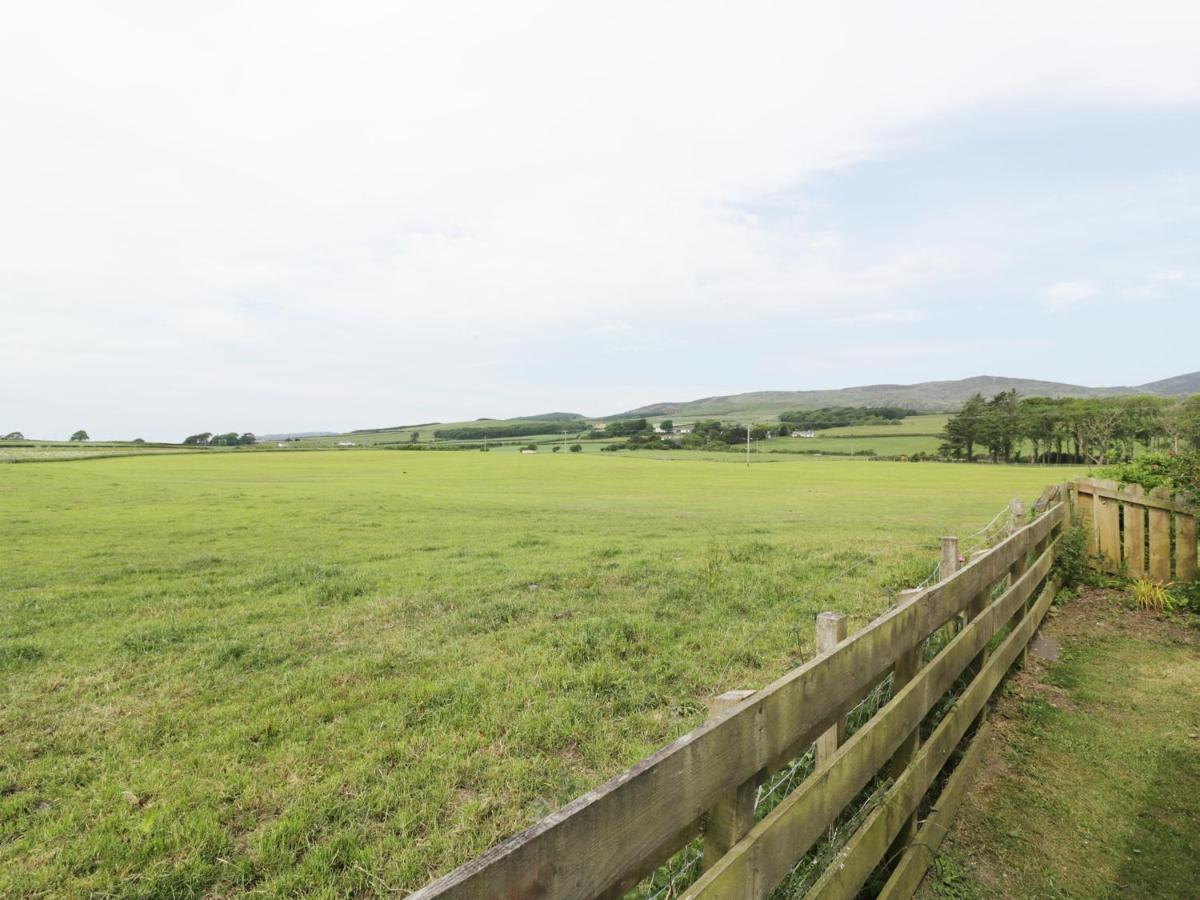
(1179, 472)
(1071, 563)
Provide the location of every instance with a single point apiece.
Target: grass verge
(1092, 788)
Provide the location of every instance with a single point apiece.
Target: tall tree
(965, 430)
(80, 435)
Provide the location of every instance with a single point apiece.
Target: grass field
(344, 673)
(57, 451)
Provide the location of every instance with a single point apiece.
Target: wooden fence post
(831, 631)
(1016, 514)
(949, 564)
(731, 819)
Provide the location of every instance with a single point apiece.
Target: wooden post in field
(1135, 534)
(949, 558)
(1185, 545)
(731, 819)
(1016, 514)
(831, 630)
(1160, 539)
(907, 666)
(948, 566)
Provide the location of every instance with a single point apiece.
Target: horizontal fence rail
(606, 841)
(1144, 535)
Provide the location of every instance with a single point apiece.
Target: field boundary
(703, 785)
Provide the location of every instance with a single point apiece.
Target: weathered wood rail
(605, 842)
(1142, 535)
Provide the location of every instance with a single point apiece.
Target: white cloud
(1068, 293)
(887, 316)
(284, 184)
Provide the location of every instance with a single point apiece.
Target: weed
(1151, 596)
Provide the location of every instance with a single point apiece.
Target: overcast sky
(294, 216)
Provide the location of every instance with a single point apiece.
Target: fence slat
(1185, 547)
(1135, 534)
(849, 870)
(1160, 545)
(764, 857)
(1085, 502)
(1108, 527)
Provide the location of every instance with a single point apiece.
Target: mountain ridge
(925, 396)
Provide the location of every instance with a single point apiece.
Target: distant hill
(927, 396)
(546, 417)
(1180, 385)
(295, 434)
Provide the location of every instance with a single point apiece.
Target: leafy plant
(1071, 562)
(1152, 597)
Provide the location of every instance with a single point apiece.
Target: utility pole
(747, 446)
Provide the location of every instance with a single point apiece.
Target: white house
(345, 443)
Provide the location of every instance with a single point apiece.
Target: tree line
(517, 429)
(841, 416)
(1098, 430)
(229, 439)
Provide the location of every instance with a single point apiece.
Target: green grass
(1097, 789)
(929, 425)
(886, 445)
(345, 673)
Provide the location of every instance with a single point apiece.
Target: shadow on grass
(1160, 855)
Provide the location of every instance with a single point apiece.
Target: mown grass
(1093, 789)
(345, 673)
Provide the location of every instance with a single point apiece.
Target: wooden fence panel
(851, 868)
(765, 856)
(600, 842)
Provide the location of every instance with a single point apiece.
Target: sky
(293, 216)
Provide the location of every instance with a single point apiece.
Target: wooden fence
(703, 786)
(1150, 536)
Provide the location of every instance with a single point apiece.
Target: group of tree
(14, 436)
(1095, 430)
(706, 434)
(229, 439)
(625, 428)
(841, 416)
(516, 429)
